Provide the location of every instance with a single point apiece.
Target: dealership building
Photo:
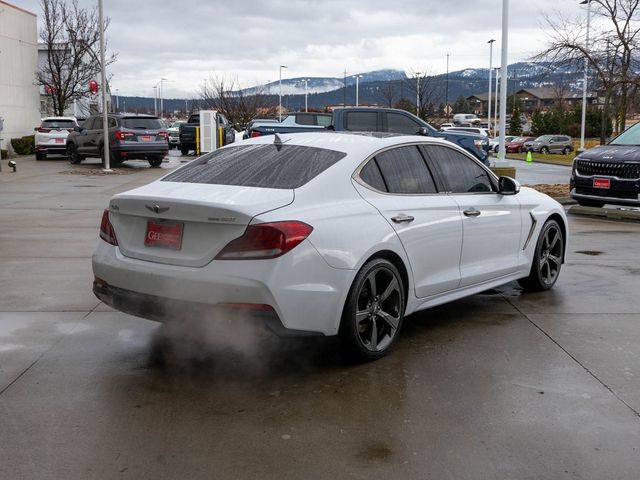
(19, 95)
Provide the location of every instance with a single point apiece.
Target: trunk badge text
(156, 208)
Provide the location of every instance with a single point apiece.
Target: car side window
(361, 121)
(370, 174)
(304, 119)
(398, 123)
(404, 171)
(112, 122)
(461, 174)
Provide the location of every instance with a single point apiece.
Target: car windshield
(176, 124)
(631, 136)
(519, 139)
(58, 124)
(141, 123)
(263, 165)
(542, 138)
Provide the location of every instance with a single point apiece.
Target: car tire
(520, 150)
(547, 259)
(544, 150)
(41, 156)
(496, 149)
(370, 324)
(72, 153)
(184, 150)
(566, 150)
(156, 162)
(591, 203)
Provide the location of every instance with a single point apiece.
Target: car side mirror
(508, 186)
(423, 131)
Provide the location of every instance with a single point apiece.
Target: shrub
(4, 153)
(24, 145)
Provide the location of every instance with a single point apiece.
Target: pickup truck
(373, 119)
(293, 123)
(188, 132)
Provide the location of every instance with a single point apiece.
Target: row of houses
(540, 98)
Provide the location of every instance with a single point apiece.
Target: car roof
(53, 119)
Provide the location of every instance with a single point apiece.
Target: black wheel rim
(378, 309)
(550, 258)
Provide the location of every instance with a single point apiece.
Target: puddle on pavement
(592, 253)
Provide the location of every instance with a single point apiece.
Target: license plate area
(601, 183)
(59, 140)
(164, 234)
(145, 138)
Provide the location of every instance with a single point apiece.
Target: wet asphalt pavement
(501, 385)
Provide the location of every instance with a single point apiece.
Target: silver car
(550, 144)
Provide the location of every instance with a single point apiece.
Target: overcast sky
(187, 40)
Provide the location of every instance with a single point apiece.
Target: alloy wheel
(550, 257)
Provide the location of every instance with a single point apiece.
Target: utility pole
(344, 89)
(280, 93)
(103, 77)
(418, 93)
(357, 77)
(446, 96)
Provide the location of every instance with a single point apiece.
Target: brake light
(254, 134)
(43, 130)
(163, 134)
(107, 233)
(266, 240)
(120, 135)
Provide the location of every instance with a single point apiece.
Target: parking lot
(499, 385)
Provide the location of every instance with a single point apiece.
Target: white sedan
(325, 233)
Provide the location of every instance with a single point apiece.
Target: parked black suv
(130, 137)
(609, 173)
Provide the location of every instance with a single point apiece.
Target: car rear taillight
(43, 130)
(163, 134)
(107, 233)
(266, 240)
(120, 135)
(254, 134)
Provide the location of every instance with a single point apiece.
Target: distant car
(131, 136)
(609, 173)
(174, 134)
(292, 123)
(479, 130)
(494, 143)
(256, 121)
(471, 118)
(410, 223)
(51, 136)
(550, 144)
(517, 144)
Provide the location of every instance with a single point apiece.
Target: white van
(471, 118)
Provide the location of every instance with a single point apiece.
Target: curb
(608, 213)
(565, 200)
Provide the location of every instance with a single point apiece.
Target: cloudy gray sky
(187, 40)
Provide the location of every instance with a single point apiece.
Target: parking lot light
(357, 77)
(280, 93)
(583, 119)
(306, 92)
(490, 42)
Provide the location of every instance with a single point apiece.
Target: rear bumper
(140, 151)
(58, 148)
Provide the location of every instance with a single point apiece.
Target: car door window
(403, 171)
(461, 174)
(112, 122)
(398, 123)
(305, 119)
(361, 121)
(88, 123)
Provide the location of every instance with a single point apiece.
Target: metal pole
(306, 92)
(417, 94)
(583, 119)
(117, 99)
(103, 77)
(490, 42)
(162, 80)
(503, 76)
(280, 93)
(495, 108)
(446, 102)
(155, 100)
(357, 85)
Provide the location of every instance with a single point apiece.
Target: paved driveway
(499, 385)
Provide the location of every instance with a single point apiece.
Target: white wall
(19, 96)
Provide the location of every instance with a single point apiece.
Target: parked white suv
(51, 136)
(471, 118)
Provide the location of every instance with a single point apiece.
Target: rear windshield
(58, 124)
(141, 123)
(266, 166)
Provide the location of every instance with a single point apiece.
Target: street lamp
(103, 75)
(495, 110)
(418, 93)
(117, 99)
(446, 101)
(306, 92)
(162, 80)
(280, 93)
(490, 42)
(583, 120)
(503, 77)
(155, 100)
(357, 77)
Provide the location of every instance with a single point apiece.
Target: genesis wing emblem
(156, 208)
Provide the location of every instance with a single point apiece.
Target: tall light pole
(495, 109)
(162, 80)
(155, 100)
(503, 77)
(103, 78)
(357, 77)
(446, 101)
(280, 93)
(490, 42)
(117, 99)
(583, 120)
(418, 93)
(306, 92)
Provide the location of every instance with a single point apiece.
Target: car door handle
(402, 218)
(472, 212)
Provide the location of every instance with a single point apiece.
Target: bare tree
(609, 53)
(239, 105)
(390, 92)
(429, 91)
(71, 35)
